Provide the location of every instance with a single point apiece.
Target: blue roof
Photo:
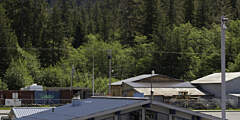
(85, 108)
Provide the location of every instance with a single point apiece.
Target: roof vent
(76, 102)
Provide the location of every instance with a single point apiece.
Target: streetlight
(153, 72)
(110, 70)
(223, 90)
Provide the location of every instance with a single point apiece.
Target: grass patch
(5, 108)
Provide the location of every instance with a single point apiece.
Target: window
(182, 93)
(135, 115)
(179, 118)
(151, 115)
(15, 95)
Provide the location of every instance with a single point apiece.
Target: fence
(201, 103)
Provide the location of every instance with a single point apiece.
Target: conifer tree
(54, 39)
(28, 20)
(8, 42)
(189, 11)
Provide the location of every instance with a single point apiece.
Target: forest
(49, 41)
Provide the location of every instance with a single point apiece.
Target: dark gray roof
(97, 106)
(87, 107)
(161, 85)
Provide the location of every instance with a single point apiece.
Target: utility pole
(110, 70)
(72, 77)
(71, 86)
(153, 72)
(93, 76)
(223, 90)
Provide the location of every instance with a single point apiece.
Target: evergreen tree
(53, 41)
(28, 20)
(132, 21)
(202, 13)
(189, 11)
(8, 42)
(67, 15)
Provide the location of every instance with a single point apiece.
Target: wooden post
(143, 113)
(116, 115)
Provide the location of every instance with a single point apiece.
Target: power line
(105, 50)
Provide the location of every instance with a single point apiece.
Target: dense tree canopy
(48, 41)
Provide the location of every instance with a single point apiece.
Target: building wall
(116, 90)
(214, 89)
(155, 110)
(127, 91)
(233, 86)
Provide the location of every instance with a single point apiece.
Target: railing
(200, 103)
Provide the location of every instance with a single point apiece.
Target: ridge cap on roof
(116, 97)
(133, 79)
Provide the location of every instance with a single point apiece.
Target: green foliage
(17, 75)
(98, 50)
(54, 77)
(28, 20)
(44, 41)
(3, 85)
(8, 42)
(143, 54)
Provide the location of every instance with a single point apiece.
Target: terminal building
(114, 108)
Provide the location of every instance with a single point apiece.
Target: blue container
(47, 97)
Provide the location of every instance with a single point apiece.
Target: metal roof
(66, 88)
(169, 91)
(184, 110)
(216, 78)
(141, 77)
(96, 106)
(161, 85)
(20, 112)
(237, 95)
(132, 79)
(85, 108)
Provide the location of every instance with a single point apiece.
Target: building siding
(214, 89)
(233, 86)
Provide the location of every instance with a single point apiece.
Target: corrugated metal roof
(216, 78)
(91, 106)
(141, 77)
(20, 112)
(169, 91)
(87, 107)
(132, 79)
(161, 85)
